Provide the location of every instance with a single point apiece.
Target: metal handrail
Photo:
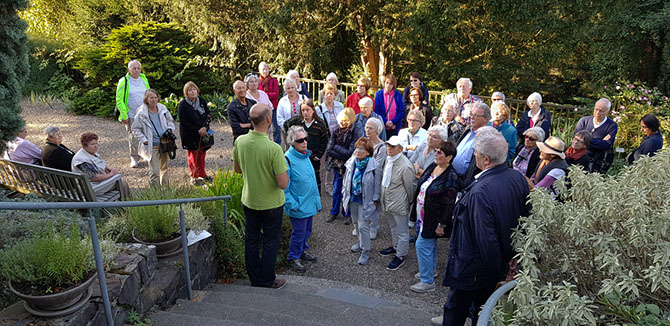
(487, 309)
(97, 253)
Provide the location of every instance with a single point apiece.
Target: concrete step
(302, 301)
(164, 318)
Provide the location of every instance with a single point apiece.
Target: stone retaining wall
(138, 281)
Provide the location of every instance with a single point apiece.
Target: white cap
(394, 141)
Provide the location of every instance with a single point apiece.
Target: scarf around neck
(388, 169)
(571, 153)
(356, 181)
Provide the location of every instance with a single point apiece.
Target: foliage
(135, 319)
(94, 101)
(226, 183)
(164, 50)
(13, 68)
(50, 259)
(171, 103)
(630, 102)
(608, 235)
(229, 250)
(217, 102)
(641, 314)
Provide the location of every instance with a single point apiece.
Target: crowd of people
(463, 174)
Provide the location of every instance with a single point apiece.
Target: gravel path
(330, 242)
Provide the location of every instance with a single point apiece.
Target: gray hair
(417, 115)
(452, 104)
(608, 102)
(291, 73)
(51, 131)
(248, 78)
(487, 130)
(366, 102)
(465, 80)
(443, 132)
(288, 81)
(537, 131)
(499, 94)
(294, 130)
(486, 110)
(263, 63)
(378, 124)
(493, 145)
(536, 96)
(133, 61)
(332, 74)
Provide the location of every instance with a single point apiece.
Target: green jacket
(122, 95)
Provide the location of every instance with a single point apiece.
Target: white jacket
(143, 130)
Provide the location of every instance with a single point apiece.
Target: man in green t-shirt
(263, 167)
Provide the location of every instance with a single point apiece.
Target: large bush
(13, 67)
(165, 51)
(604, 248)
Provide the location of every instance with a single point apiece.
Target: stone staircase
(302, 301)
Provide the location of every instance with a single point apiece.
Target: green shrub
(94, 101)
(218, 105)
(50, 260)
(225, 183)
(611, 235)
(164, 50)
(171, 103)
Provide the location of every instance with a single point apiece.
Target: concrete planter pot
(163, 249)
(58, 304)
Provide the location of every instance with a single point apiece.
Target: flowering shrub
(630, 102)
(606, 246)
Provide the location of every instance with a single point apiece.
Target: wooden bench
(52, 184)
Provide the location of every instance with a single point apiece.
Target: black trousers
(457, 307)
(261, 268)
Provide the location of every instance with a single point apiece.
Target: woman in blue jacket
(302, 197)
(389, 105)
(652, 141)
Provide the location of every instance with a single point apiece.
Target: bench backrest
(51, 183)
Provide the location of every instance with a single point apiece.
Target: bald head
(259, 115)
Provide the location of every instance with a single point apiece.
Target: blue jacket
(302, 194)
(509, 132)
(380, 109)
(481, 245)
(597, 143)
(544, 122)
(649, 146)
(361, 121)
(405, 95)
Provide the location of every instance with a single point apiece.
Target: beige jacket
(143, 130)
(396, 198)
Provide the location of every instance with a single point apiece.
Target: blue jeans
(426, 256)
(276, 135)
(337, 195)
(261, 269)
(302, 229)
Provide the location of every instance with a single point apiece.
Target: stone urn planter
(163, 249)
(57, 304)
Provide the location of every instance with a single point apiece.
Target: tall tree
(13, 67)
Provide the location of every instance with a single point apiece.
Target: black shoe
(331, 218)
(412, 239)
(208, 179)
(307, 257)
(347, 220)
(297, 265)
(388, 251)
(395, 263)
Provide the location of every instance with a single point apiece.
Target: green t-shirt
(261, 160)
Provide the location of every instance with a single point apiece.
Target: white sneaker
(373, 234)
(134, 164)
(354, 232)
(423, 287)
(418, 275)
(436, 321)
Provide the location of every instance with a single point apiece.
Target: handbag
(169, 146)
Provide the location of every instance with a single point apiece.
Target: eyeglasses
(414, 94)
(301, 140)
(414, 120)
(414, 80)
(577, 140)
(478, 115)
(531, 138)
(360, 85)
(361, 149)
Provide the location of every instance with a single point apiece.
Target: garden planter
(58, 304)
(163, 249)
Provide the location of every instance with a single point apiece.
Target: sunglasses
(301, 140)
(531, 138)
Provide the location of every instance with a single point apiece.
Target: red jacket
(352, 102)
(272, 89)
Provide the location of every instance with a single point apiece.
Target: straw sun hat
(553, 145)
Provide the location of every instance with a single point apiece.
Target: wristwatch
(441, 225)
